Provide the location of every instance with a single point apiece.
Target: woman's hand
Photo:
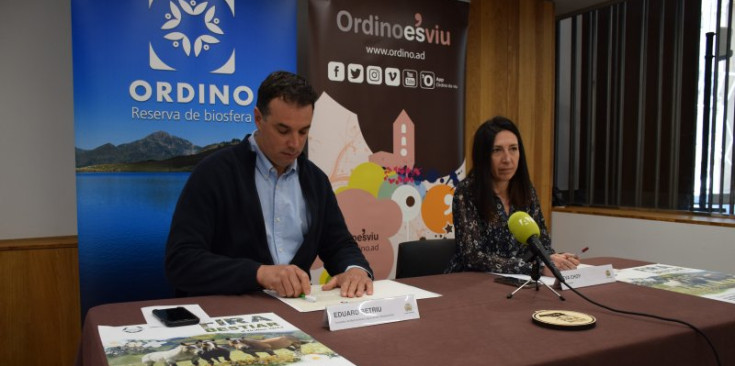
(565, 261)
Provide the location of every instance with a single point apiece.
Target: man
(257, 214)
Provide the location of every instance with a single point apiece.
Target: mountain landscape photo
(157, 152)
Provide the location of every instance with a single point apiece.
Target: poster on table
(684, 280)
(251, 339)
(388, 124)
(158, 84)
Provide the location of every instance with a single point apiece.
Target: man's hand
(286, 280)
(354, 282)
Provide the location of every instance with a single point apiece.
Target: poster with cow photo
(254, 339)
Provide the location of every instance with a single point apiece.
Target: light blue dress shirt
(283, 206)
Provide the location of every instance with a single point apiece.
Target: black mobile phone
(176, 317)
(512, 281)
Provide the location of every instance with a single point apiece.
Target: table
(473, 323)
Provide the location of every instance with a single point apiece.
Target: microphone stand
(536, 278)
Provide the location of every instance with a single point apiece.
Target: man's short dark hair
(291, 88)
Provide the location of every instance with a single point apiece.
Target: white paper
(545, 279)
(381, 289)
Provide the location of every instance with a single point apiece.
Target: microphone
(526, 231)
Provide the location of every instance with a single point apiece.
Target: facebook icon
(336, 71)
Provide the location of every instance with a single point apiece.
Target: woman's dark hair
(519, 189)
(288, 86)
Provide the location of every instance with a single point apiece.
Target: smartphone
(512, 281)
(176, 317)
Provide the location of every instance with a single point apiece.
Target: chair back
(424, 257)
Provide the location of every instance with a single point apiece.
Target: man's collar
(262, 163)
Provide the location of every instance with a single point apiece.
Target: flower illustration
(201, 42)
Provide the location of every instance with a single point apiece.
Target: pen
(579, 254)
(308, 298)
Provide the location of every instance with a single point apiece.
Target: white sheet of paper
(545, 279)
(151, 319)
(381, 289)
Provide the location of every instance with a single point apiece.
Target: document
(690, 281)
(545, 279)
(263, 338)
(381, 289)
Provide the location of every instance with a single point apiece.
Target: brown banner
(388, 125)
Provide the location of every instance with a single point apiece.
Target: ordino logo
(191, 38)
(192, 29)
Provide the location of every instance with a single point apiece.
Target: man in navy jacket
(257, 214)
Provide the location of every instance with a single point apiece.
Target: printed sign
(371, 312)
(158, 85)
(388, 125)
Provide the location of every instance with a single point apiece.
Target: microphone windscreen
(522, 226)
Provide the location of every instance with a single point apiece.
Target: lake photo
(124, 219)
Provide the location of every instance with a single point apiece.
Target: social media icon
(355, 73)
(409, 78)
(336, 71)
(374, 75)
(392, 76)
(427, 79)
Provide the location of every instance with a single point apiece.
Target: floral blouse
(490, 246)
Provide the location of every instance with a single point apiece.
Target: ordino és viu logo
(192, 38)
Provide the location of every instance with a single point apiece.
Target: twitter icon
(355, 73)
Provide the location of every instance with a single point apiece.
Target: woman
(497, 186)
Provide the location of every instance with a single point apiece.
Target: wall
(39, 277)
(37, 189)
(39, 300)
(510, 72)
(701, 246)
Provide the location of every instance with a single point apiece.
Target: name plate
(371, 312)
(588, 276)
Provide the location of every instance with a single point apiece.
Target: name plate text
(588, 276)
(371, 312)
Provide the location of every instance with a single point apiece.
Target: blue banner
(158, 85)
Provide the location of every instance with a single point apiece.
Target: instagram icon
(374, 75)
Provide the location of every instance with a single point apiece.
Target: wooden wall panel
(510, 72)
(39, 301)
